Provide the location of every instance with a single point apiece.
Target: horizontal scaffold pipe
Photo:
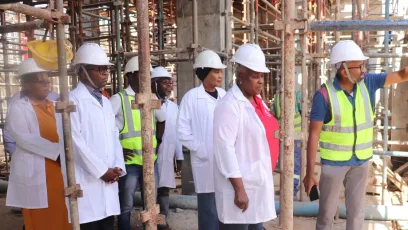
(358, 25)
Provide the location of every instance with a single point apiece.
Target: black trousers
(104, 224)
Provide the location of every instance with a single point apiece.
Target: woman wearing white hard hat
(36, 178)
(341, 127)
(97, 151)
(170, 147)
(243, 141)
(195, 131)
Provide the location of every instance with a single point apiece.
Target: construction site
(296, 37)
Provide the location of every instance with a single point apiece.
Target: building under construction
(296, 37)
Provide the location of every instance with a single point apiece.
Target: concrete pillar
(211, 35)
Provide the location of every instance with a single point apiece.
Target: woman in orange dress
(36, 181)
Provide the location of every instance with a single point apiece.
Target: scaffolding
(293, 35)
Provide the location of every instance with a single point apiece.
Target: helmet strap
(348, 73)
(88, 77)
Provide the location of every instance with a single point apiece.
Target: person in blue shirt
(352, 81)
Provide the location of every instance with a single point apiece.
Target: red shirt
(270, 125)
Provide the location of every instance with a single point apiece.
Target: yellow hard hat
(45, 53)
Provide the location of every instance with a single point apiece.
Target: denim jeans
(163, 198)
(241, 226)
(127, 189)
(297, 166)
(207, 212)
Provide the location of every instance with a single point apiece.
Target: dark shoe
(167, 227)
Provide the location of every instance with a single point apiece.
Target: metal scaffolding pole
(288, 119)
(73, 190)
(228, 42)
(358, 25)
(385, 95)
(336, 17)
(118, 48)
(146, 103)
(33, 25)
(305, 101)
(319, 47)
(50, 16)
(127, 27)
(195, 38)
(252, 22)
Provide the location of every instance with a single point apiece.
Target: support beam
(357, 25)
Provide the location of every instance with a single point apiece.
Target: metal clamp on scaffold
(144, 99)
(61, 106)
(73, 191)
(153, 215)
(290, 27)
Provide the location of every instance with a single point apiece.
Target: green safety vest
(349, 131)
(298, 117)
(131, 134)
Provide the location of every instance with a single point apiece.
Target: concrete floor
(187, 220)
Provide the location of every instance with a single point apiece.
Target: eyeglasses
(99, 69)
(43, 83)
(362, 67)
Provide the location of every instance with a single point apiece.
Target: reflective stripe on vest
(350, 131)
(131, 135)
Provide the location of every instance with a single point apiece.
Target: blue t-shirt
(321, 109)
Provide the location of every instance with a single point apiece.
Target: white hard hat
(133, 65)
(346, 50)
(208, 59)
(252, 57)
(91, 54)
(160, 71)
(29, 66)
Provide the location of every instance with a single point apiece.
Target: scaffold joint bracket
(61, 106)
(143, 99)
(153, 215)
(73, 191)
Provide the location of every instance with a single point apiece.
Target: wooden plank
(401, 168)
(396, 179)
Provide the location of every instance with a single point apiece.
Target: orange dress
(55, 217)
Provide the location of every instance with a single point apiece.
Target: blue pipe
(307, 209)
(358, 25)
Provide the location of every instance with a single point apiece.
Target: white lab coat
(241, 150)
(9, 143)
(96, 148)
(170, 146)
(195, 131)
(27, 187)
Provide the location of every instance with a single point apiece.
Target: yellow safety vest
(349, 131)
(131, 134)
(298, 117)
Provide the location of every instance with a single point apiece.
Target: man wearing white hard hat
(170, 148)
(243, 142)
(97, 151)
(195, 132)
(129, 122)
(341, 126)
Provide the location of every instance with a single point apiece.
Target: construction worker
(129, 122)
(36, 178)
(97, 151)
(298, 144)
(341, 122)
(195, 131)
(170, 147)
(243, 140)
